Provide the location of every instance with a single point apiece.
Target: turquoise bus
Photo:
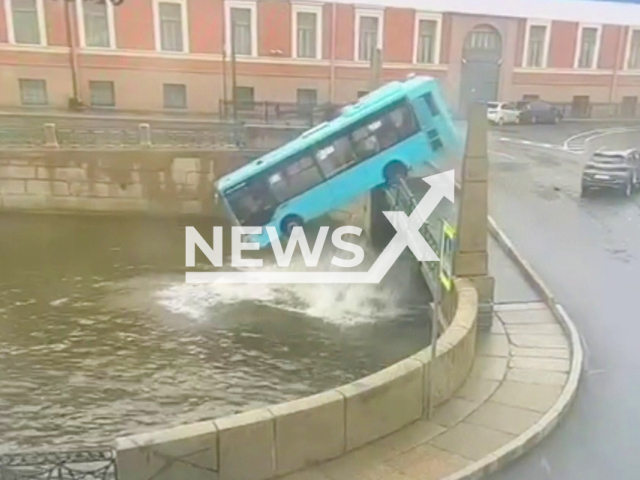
(384, 136)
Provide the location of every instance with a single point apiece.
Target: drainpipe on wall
(332, 79)
(75, 101)
(614, 78)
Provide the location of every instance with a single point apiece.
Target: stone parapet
(274, 441)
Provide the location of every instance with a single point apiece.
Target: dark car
(538, 111)
(612, 170)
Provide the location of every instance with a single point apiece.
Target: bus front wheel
(394, 172)
(288, 223)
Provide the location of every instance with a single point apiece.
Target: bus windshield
(251, 202)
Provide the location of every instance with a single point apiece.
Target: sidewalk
(513, 397)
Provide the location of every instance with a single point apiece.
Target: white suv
(501, 113)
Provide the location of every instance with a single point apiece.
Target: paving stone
(508, 307)
(534, 329)
(497, 327)
(539, 341)
(504, 418)
(489, 368)
(547, 364)
(539, 377)
(409, 437)
(306, 475)
(427, 462)
(453, 411)
(366, 472)
(477, 389)
(492, 345)
(535, 316)
(539, 398)
(471, 441)
(352, 463)
(540, 352)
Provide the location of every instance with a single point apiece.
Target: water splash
(342, 305)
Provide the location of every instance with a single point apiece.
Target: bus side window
(365, 140)
(335, 156)
(400, 124)
(295, 178)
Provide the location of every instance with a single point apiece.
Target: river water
(100, 336)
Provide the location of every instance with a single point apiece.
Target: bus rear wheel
(394, 172)
(288, 223)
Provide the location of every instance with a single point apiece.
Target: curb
(534, 435)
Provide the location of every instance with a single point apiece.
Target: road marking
(578, 143)
(547, 146)
(502, 154)
(545, 465)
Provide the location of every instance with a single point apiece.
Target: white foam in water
(337, 304)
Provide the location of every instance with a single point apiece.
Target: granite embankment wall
(134, 170)
(273, 441)
(154, 182)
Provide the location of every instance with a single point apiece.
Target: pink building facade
(166, 55)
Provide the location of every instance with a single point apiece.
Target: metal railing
(277, 112)
(401, 197)
(97, 464)
(134, 136)
(596, 111)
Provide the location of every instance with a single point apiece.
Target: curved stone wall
(272, 441)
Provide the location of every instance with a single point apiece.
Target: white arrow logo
(407, 235)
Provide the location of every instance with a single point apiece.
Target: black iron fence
(97, 464)
(598, 111)
(219, 136)
(277, 112)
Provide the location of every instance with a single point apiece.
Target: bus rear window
(431, 105)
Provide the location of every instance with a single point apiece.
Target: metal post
(234, 86)
(225, 101)
(435, 321)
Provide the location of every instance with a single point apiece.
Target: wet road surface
(588, 252)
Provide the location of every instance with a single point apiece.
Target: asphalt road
(588, 252)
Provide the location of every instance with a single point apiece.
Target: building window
(362, 93)
(102, 94)
(242, 18)
(307, 96)
(33, 92)
(368, 34)
(171, 33)
(96, 24)
(633, 60)
(245, 98)
(536, 45)
(27, 24)
(588, 45)
(530, 97)
(307, 34)
(427, 41)
(175, 95)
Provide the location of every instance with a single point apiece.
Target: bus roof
(366, 105)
